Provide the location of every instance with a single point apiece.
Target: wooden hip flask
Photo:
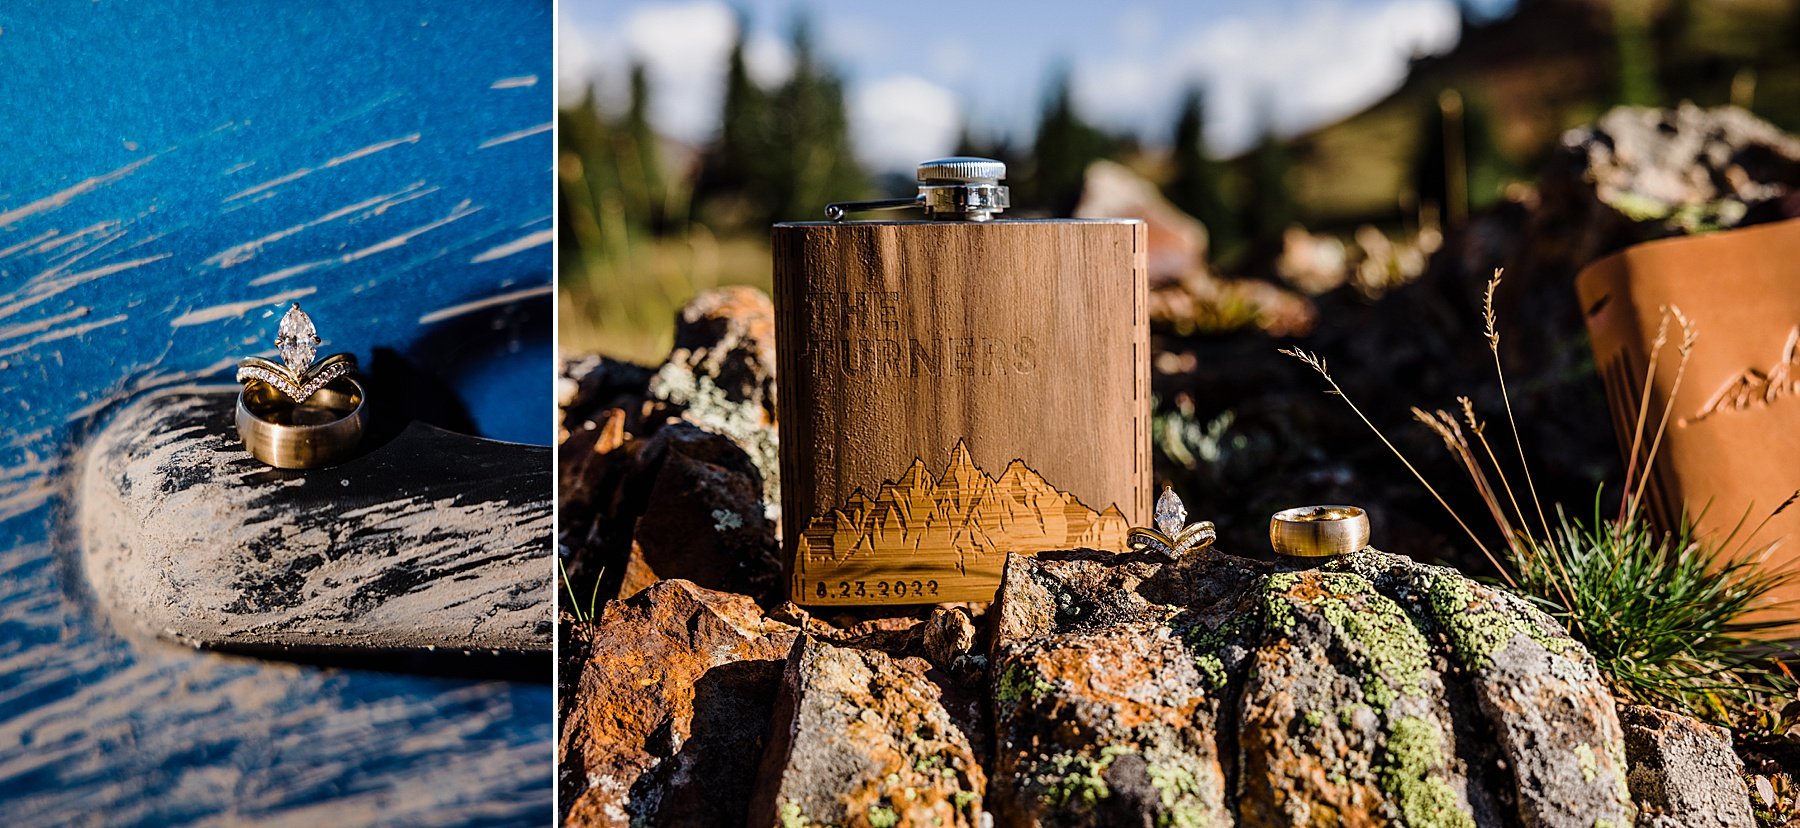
(955, 390)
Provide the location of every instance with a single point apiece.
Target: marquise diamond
(297, 340)
(1171, 514)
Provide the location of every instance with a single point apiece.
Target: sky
(915, 70)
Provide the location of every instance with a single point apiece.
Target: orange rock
(862, 739)
(665, 718)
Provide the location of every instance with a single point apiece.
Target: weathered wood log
(431, 542)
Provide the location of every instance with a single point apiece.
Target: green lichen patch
(1373, 632)
(1180, 791)
(1480, 627)
(1585, 760)
(790, 815)
(1020, 681)
(881, 816)
(1077, 781)
(1208, 646)
(1275, 607)
(1409, 774)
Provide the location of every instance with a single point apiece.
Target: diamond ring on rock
(303, 414)
(1319, 531)
(1173, 535)
(298, 375)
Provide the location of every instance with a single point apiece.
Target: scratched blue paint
(171, 175)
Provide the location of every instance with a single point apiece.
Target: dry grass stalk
(1318, 364)
(1663, 612)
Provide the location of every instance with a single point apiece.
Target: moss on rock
(1408, 775)
(1369, 628)
(1479, 626)
(1334, 682)
(1019, 682)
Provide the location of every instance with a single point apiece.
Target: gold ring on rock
(1319, 531)
(322, 431)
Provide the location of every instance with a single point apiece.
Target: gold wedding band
(1319, 531)
(322, 431)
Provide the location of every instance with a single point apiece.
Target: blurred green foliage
(1066, 143)
(1196, 180)
(782, 154)
(648, 222)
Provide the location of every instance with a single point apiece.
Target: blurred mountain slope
(1525, 78)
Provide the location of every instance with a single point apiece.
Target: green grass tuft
(1668, 617)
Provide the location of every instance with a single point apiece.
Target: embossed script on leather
(952, 392)
(1733, 444)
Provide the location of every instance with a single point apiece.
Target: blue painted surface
(173, 175)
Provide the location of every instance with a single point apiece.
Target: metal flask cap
(959, 188)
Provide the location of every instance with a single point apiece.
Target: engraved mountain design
(1754, 388)
(958, 527)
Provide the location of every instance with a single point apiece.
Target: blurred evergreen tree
(783, 154)
(1065, 146)
(1484, 171)
(993, 146)
(739, 165)
(1267, 206)
(1196, 183)
(811, 138)
(639, 171)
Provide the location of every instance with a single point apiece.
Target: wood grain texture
(954, 391)
(431, 541)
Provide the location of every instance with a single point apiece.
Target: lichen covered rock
(1213, 690)
(664, 722)
(1552, 721)
(1684, 772)
(1686, 169)
(702, 517)
(672, 472)
(1110, 675)
(721, 376)
(1342, 717)
(862, 739)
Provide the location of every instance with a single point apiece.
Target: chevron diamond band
(298, 374)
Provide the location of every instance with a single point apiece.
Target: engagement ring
(1173, 535)
(303, 414)
(298, 375)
